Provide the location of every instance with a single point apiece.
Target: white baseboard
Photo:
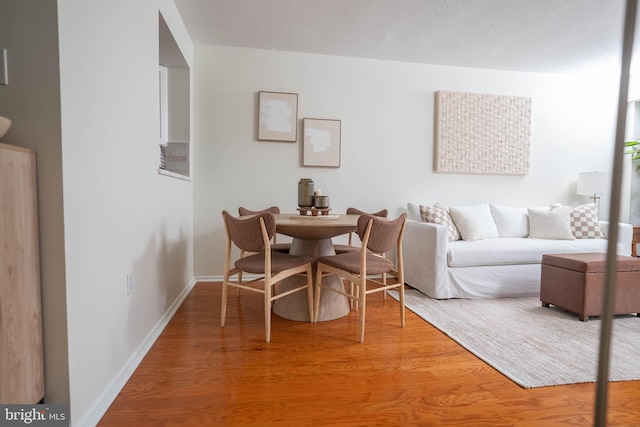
(106, 398)
(209, 278)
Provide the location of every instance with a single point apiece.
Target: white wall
(29, 32)
(120, 215)
(387, 113)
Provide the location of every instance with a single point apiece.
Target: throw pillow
(511, 222)
(438, 214)
(584, 222)
(474, 222)
(413, 211)
(550, 223)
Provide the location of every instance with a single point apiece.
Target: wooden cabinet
(21, 359)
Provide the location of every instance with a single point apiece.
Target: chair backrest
(246, 232)
(384, 233)
(242, 211)
(355, 211)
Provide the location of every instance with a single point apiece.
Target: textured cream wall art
(482, 134)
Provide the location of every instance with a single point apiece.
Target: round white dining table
(312, 237)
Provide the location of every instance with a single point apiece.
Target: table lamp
(593, 183)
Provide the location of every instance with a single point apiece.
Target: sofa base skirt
(496, 281)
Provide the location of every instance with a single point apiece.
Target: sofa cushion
(510, 222)
(509, 250)
(550, 223)
(438, 214)
(474, 222)
(584, 222)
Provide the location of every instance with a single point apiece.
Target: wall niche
(175, 101)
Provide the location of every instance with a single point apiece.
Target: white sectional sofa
(502, 253)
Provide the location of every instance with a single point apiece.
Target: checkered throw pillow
(584, 222)
(438, 214)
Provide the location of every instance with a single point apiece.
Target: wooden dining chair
(351, 247)
(278, 247)
(379, 235)
(253, 234)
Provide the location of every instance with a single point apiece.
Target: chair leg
(384, 283)
(353, 302)
(402, 310)
(310, 295)
(239, 275)
(223, 307)
(267, 311)
(356, 299)
(318, 287)
(362, 299)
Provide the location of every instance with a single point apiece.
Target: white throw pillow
(438, 214)
(584, 222)
(413, 211)
(511, 222)
(550, 223)
(474, 222)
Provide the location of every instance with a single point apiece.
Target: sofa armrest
(424, 249)
(625, 236)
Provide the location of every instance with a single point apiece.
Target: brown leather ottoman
(574, 282)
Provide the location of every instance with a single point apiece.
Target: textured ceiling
(521, 35)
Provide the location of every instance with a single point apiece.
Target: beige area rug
(532, 345)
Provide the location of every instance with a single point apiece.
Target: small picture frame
(321, 143)
(277, 116)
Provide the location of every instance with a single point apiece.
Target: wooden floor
(198, 374)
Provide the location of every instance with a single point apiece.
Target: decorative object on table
(277, 116)
(321, 202)
(314, 211)
(5, 124)
(305, 192)
(592, 184)
(482, 134)
(321, 143)
(320, 206)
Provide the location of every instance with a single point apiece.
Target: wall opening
(175, 101)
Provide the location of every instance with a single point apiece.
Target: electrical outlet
(129, 284)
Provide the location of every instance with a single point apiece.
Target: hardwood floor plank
(198, 373)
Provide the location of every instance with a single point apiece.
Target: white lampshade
(593, 183)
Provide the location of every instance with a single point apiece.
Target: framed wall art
(321, 143)
(277, 116)
(482, 134)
